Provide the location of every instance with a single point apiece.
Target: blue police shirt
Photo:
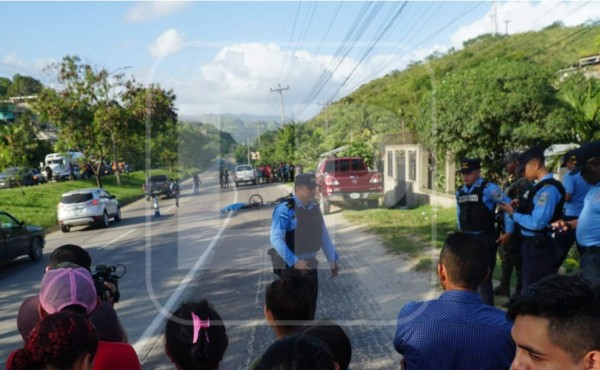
(456, 331)
(283, 220)
(588, 224)
(492, 195)
(578, 188)
(544, 201)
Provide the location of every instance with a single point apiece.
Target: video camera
(104, 273)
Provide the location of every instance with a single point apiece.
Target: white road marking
(164, 311)
(119, 238)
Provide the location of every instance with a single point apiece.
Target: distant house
(589, 65)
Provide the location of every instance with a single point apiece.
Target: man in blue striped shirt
(456, 331)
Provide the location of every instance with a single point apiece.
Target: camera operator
(104, 317)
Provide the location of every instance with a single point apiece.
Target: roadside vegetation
(409, 232)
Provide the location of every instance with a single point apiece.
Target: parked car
(18, 239)
(244, 173)
(17, 176)
(86, 207)
(347, 180)
(157, 185)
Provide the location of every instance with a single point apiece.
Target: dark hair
(465, 257)
(297, 352)
(70, 253)
(571, 304)
(291, 298)
(57, 341)
(211, 343)
(335, 338)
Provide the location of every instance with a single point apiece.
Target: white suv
(87, 206)
(244, 173)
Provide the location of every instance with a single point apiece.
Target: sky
(232, 57)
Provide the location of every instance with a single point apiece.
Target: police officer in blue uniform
(576, 189)
(537, 210)
(476, 208)
(510, 251)
(587, 226)
(298, 232)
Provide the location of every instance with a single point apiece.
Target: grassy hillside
(393, 109)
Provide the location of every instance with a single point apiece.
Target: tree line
(107, 116)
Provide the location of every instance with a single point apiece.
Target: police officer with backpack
(476, 214)
(541, 206)
(298, 232)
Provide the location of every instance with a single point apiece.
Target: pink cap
(68, 286)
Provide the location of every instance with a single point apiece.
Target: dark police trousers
(485, 289)
(589, 262)
(314, 274)
(539, 258)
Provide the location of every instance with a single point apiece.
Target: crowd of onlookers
(279, 172)
(555, 323)
(68, 326)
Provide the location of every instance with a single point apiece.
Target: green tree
(151, 123)
(4, 86)
(582, 96)
(19, 142)
(488, 110)
(24, 86)
(95, 121)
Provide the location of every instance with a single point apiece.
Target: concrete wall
(408, 179)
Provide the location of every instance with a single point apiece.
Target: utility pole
(494, 18)
(279, 89)
(248, 147)
(326, 105)
(258, 124)
(506, 27)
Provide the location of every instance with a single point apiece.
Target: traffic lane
(234, 281)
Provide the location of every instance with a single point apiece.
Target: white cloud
(240, 76)
(150, 10)
(528, 16)
(167, 43)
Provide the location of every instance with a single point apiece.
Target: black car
(18, 176)
(18, 239)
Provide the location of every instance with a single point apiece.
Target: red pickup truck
(346, 180)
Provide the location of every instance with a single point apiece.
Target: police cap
(535, 152)
(468, 165)
(306, 179)
(584, 154)
(569, 156)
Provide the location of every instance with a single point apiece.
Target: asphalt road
(194, 251)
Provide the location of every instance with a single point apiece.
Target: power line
(316, 52)
(355, 32)
(290, 42)
(370, 49)
(306, 27)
